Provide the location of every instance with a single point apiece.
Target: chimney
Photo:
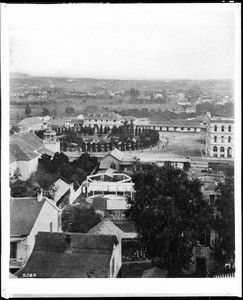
(39, 194)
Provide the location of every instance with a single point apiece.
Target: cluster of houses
(39, 248)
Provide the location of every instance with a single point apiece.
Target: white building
(25, 150)
(33, 123)
(28, 216)
(220, 136)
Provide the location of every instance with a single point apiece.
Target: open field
(180, 145)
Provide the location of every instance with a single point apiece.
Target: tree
(27, 110)
(54, 113)
(18, 188)
(169, 213)
(59, 161)
(85, 162)
(45, 112)
(14, 129)
(224, 224)
(79, 219)
(70, 111)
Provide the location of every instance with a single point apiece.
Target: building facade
(28, 216)
(220, 137)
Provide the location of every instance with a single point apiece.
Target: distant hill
(14, 75)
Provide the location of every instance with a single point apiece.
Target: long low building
(173, 126)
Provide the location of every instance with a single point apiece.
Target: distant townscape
(119, 178)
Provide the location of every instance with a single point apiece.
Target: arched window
(222, 139)
(221, 151)
(215, 151)
(215, 139)
(229, 128)
(222, 128)
(215, 128)
(229, 139)
(229, 152)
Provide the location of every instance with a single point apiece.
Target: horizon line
(120, 79)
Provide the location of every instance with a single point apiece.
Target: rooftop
(19, 154)
(30, 121)
(106, 227)
(27, 140)
(116, 153)
(70, 255)
(23, 214)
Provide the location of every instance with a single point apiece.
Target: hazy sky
(138, 41)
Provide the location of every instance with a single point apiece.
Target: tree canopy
(224, 223)
(79, 219)
(169, 212)
(49, 170)
(27, 109)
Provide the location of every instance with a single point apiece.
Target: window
(222, 139)
(95, 120)
(229, 152)
(51, 227)
(215, 139)
(229, 139)
(222, 128)
(215, 151)
(215, 128)
(13, 249)
(221, 151)
(229, 129)
(188, 128)
(182, 128)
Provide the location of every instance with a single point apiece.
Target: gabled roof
(107, 115)
(12, 158)
(125, 226)
(27, 140)
(116, 153)
(30, 121)
(62, 188)
(20, 154)
(24, 145)
(70, 255)
(23, 214)
(105, 164)
(106, 227)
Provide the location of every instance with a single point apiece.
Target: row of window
(222, 152)
(222, 139)
(91, 120)
(222, 128)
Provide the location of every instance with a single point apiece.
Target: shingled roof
(70, 255)
(30, 121)
(23, 215)
(116, 153)
(27, 140)
(20, 154)
(106, 227)
(24, 145)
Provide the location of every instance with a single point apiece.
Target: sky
(132, 41)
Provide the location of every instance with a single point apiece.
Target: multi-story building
(220, 136)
